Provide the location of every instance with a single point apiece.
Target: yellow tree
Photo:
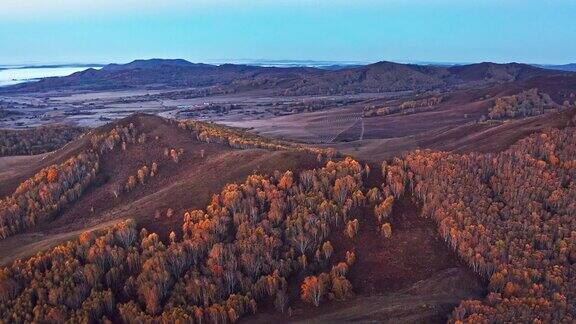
(312, 290)
(386, 230)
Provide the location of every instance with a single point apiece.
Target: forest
(241, 250)
(36, 140)
(510, 215)
(527, 103)
(405, 108)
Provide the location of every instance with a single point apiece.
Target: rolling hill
(202, 168)
(149, 214)
(159, 223)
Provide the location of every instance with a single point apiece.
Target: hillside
(36, 140)
(496, 72)
(354, 229)
(161, 74)
(457, 120)
(200, 176)
(203, 164)
(510, 216)
(389, 77)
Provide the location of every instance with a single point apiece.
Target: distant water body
(10, 74)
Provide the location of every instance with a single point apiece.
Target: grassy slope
(484, 137)
(181, 186)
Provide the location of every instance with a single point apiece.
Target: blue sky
(102, 31)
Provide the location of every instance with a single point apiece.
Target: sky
(105, 31)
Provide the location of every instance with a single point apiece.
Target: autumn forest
(507, 215)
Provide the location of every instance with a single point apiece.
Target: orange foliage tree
(236, 252)
(510, 216)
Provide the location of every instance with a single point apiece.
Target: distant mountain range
(377, 77)
(565, 67)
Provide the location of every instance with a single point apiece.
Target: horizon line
(259, 62)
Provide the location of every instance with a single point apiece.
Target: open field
(90, 109)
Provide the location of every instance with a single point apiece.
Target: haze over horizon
(230, 30)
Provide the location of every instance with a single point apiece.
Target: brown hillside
(411, 277)
(180, 186)
(414, 262)
(491, 136)
(387, 135)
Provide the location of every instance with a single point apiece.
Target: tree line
(405, 108)
(36, 140)
(214, 133)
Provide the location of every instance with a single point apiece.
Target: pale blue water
(299, 63)
(18, 74)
